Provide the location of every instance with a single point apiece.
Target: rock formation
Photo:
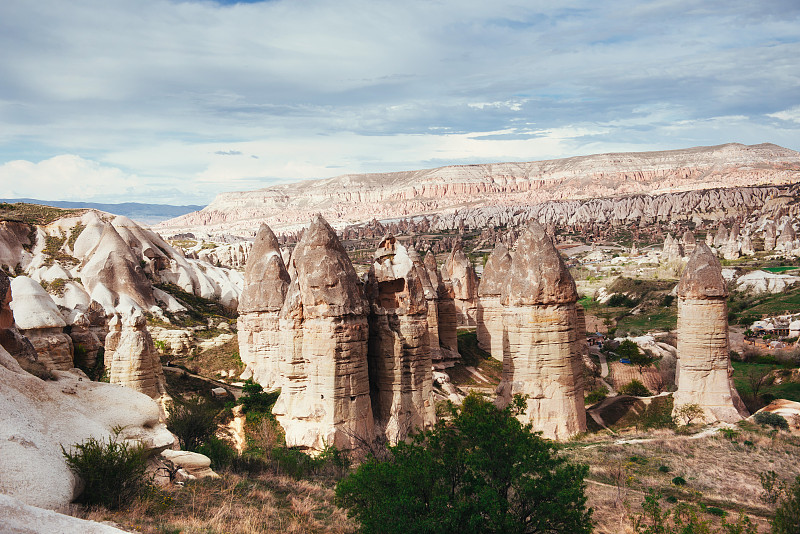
(324, 377)
(672, 250)
(446, 308)
(730, 250)
(507, 185)
(704, 374)
(430, 291)
(265, 284)
(490, 310)
(689, 242)
(136, 362)
(85, 342)
(747, 247)
(786, 240)
(542, 354)
(399, 345)
(10, 338)
(39, 320)
(721, 237)
(112, 339)
(770, 236)
(458, 271)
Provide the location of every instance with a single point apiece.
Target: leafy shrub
(771, 419)
(657, 414)
(787, 515)
(663, 469)
(620, 300)
(478, 471)
(596, 395)
(635, 388)
(193, 421)
(679, 481)
(112, 473)
(719, 512)
(218, 450)
(330, 462)
(254, 398)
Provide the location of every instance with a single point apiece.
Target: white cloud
(158, 97)
(791, 114)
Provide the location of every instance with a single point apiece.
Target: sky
(175, 101)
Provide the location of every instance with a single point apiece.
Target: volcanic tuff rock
(112, 339)
(458, 271)
(399, 345)
(490, 309)
(324, 378)
(136, 362)
(40, 416)
(542, 355)
(672, 249)
(85, 342)
(429, 290)
(704, 374)
(364, 196)
(445, 310)
(689, 242)
(770, 236)
(265, 284)
(787, 238)
(39, 320)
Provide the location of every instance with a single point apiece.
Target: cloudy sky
(173, 101)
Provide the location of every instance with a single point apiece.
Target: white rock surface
(16, 517)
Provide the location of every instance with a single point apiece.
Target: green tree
(478, 471)
(787, 515)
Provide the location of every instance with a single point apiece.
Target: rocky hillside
(355, 198)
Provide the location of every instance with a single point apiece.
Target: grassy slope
(33, 213)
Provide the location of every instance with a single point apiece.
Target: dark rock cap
(702, 278)
(325, 283)
(538, 274)
(495, 272)
(265, 277)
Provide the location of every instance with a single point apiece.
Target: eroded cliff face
(356, 198)
(399, 343)
(704, 372)
(266, 282)
(324, 375)
(446, 313)
(459, 273)
(542, 352)
(490, 309)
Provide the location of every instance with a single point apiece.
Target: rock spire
(324, 377)
(490, 309)
(399, 351)
(542, 354)
(704, 369)
(266, 282)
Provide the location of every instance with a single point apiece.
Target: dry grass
(233, 504)
(719, 472)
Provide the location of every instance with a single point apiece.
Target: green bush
(771, 419)
(330, 462)
(193, 421)
(635, 388)
(255, 399)
(787, 515)
(477, 471)
(596, 395)
(663, 469)
(112, 472)
(219, 452)
(679, 481)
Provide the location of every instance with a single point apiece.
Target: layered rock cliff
(354, 198)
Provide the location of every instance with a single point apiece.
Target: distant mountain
(143, 213)
(354, 198)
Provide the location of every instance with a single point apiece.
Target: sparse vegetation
(112, 472)
(635, 388)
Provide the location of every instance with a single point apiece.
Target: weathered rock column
(490, 309)
(265, 284)
(461, 275)
(86, 343)
(542, 354)
(136, 362)
(112, 340)
(770, 236)
(399, 355)
(324, 378)
(704, 368)
(445, 305)
(431, 298)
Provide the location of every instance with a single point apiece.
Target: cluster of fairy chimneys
(353, 358)
(732, 243)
